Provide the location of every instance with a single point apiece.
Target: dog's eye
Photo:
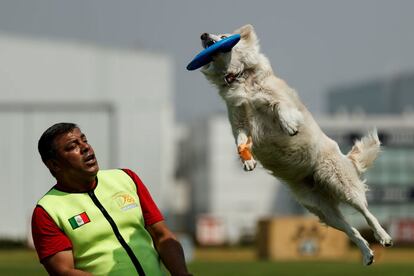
(223, 36)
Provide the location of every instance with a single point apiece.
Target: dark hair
(46, 145)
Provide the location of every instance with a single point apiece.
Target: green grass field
(24, 262)
(19, 262)
(258, 268)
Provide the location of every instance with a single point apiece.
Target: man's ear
(247, 33)
(53, 165)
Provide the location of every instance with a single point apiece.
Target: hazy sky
(313, 44)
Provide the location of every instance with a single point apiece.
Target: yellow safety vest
(105, 226)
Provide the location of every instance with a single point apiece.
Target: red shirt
(49, 239)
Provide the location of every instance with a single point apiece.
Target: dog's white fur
(288, 142)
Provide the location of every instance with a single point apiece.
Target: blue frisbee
(206, 55)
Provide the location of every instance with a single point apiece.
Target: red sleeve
(47, 237)
(150, 210)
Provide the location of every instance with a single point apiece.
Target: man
(98, 222)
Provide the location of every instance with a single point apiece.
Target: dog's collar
(229, 78)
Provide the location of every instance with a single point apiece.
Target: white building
(121, 99)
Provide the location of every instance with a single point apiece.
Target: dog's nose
(204, 36)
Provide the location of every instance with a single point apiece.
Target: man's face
(74, 156)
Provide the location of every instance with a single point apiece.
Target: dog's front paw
(289, 120)
(290, 129)
(246, 155)
(249, 165)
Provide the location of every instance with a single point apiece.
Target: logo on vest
(79, 220)
(125, 201)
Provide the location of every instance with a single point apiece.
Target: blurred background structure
(44, 82)
(117, 68)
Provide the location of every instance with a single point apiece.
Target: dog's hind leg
(333, 217)
(380, 234)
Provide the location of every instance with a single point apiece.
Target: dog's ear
(247, 33)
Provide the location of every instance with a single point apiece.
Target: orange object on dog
(244, 150)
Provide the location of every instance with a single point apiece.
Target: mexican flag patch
(79, 220)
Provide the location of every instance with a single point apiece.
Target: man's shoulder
(114, 172)
(121, 173)
(52, 192)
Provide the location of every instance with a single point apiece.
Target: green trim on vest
(95, 246)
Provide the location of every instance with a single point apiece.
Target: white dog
(270, 124)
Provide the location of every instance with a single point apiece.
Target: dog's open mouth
(207, 43)
(207, 40)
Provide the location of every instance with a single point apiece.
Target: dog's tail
(365, 151)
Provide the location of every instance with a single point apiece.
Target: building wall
(389, 95)
(121, 99)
